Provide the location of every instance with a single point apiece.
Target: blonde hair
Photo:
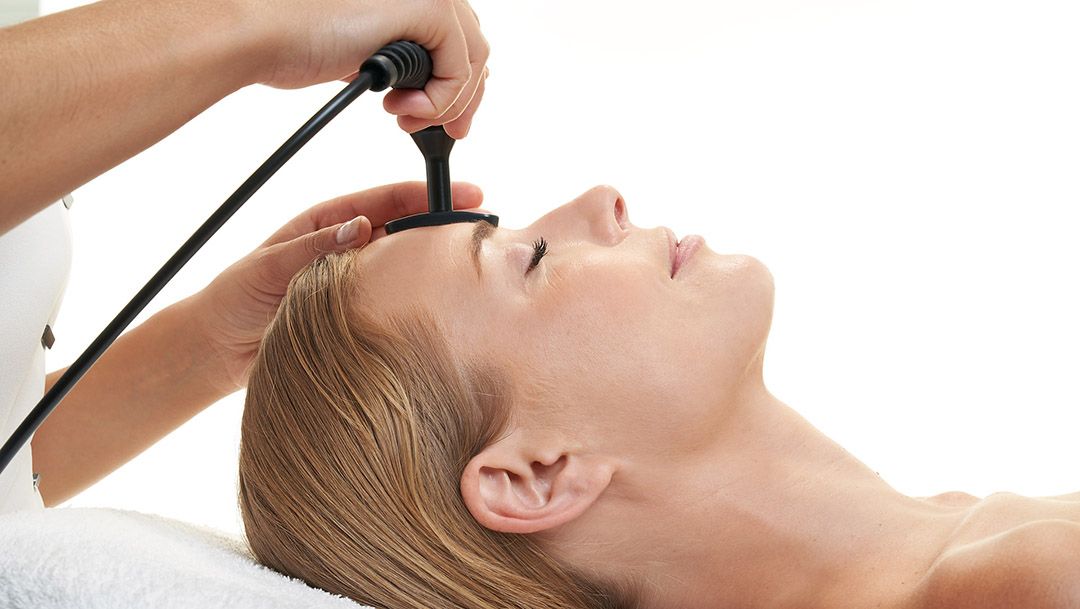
(355, 434)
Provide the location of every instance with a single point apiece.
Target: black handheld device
(401, 64)
(435, 144)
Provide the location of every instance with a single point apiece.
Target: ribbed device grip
(402, 65)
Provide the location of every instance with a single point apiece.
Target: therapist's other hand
(234, 310)
(312, 42)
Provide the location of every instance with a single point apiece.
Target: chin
(739, 307)
(763, 281)
(733, 273)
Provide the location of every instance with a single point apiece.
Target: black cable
(400, 64)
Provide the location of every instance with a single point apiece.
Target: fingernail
(348, 231)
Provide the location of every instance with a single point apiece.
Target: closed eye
(539, 250)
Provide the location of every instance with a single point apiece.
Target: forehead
(418, 266)
(431, 268)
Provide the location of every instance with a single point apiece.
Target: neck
(777, 515)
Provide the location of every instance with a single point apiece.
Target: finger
(278, 263)
(459, 127)
(380, 205)
(474, 15)
(451, 72)
(412, 124)
(479, 51)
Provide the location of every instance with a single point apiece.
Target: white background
(906, 169)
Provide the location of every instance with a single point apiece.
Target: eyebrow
(481, 231)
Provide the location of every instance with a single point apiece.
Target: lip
(684, 250)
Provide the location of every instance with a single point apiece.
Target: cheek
(613, 346)
(651, 364)
(594, 308)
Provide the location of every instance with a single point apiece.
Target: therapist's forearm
(85, 89)
(153, 379)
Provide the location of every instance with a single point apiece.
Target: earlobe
(514, 491)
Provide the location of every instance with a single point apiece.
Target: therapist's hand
(308, 42)
(234, 310)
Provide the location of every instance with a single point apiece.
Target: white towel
(100, 558)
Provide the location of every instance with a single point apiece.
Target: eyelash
(539, 250)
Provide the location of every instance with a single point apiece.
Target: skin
(85, 89)
(676, 467)
(198, 350)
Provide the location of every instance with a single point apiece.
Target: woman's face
(598, 339)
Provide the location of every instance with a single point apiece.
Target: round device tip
(438, 219)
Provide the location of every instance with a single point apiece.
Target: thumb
(284, 260)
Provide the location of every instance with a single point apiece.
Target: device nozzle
(435, 144)
(402, 65)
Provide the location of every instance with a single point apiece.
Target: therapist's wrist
(221, 42)
(209, 363)
(249, 44)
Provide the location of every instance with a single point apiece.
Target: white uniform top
(14, 11)
(35, 258)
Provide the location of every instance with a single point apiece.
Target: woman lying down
(562, 420)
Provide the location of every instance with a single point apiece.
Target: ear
(513, 488)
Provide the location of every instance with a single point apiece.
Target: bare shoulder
(1071, 497)
(1035, 565)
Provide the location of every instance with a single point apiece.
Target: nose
(605, 212)
(598, 215)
